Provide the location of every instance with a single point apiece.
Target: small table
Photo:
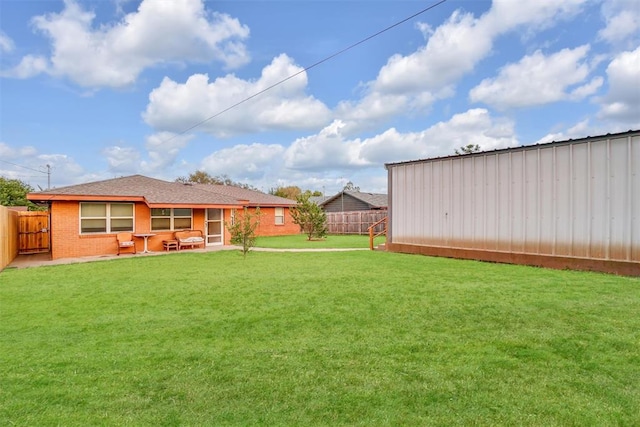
(145, 236)
(170, 244)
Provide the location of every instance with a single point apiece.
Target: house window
(106, 217)
(170, 219)
(279, 216)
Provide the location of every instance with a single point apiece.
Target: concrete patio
(41, 259)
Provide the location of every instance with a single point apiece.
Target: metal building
(568, 204)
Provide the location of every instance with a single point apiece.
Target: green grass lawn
(300, 241)
(337, 338)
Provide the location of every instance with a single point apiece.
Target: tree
(243, 229)
(467, 149)
(202, 177)
(13, 192)
(350, 187)
(290, 192)
(310, 217)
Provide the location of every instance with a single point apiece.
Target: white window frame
(172, 217)
(107, 218)
(233, 217)
(281, 216)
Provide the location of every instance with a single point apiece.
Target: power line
(340, 52)
(24, 167)
(48, 171)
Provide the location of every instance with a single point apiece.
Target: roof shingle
(156, 192)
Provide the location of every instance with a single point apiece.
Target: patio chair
(125, 241)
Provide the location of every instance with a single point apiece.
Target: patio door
(214, 227)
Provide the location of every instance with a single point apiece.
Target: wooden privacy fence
(355, 222)
(8, 236)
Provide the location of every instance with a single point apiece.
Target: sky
(310, 93)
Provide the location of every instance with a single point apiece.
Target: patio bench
(189, 238)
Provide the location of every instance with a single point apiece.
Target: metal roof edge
(519, 148)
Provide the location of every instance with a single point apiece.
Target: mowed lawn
(335, 338)
(301, 241)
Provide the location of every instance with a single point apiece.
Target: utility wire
(304, 70)
(20, 166)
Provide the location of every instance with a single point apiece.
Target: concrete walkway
(37, 260)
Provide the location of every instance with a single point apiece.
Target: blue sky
(101, 89)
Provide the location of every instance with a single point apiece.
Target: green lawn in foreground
(351, 338)
(300, 241)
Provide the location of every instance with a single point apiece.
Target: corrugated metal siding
(577, 198)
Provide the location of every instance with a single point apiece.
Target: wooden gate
(33, 232)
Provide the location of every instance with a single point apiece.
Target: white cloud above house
(163, 148)
(122, 160)
(177, 106)
(333, 150)
(120, 52)
(249, 162)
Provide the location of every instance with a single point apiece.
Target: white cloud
(176, 107)
(452, 50)
(124, 160)
(330, 149)
(622, 102)
(475, 126)
(63, 167)
(6, 44)
(373, 108)
(506, 15)
(120, 52)
(8, 152)
(29, 165)
(455, 47)
(413, 82)
(579, 130)
(622, 18)
(28, 67)
(538, 79)
(587, 89)
(163, 149)
(246, 162)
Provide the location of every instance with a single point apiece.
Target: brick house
(85, 218)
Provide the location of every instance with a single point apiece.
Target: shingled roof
(153, 192)
(254, 197)
(374, 200)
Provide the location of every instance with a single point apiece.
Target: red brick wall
(66, 241)
(268, 225)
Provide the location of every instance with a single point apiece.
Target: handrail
(373, 226)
